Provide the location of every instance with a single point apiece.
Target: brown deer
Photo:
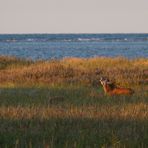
(111, 89)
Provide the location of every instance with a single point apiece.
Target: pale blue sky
(73, 16)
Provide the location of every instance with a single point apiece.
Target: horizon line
(75, 33)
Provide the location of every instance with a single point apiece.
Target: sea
(58, 46)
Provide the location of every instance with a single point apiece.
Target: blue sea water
(56, 46)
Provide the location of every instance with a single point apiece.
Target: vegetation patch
(61, 103)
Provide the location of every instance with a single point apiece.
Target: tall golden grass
(73, 71)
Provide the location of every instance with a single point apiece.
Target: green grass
(61, 104)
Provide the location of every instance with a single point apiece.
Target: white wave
(67, 40)
(30, 40)
(88, 39)
(11, 40)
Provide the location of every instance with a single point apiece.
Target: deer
(111, 89)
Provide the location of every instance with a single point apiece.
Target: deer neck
(107, 88)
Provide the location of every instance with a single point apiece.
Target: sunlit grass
(73, 71)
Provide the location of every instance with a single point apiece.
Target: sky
(73, 16)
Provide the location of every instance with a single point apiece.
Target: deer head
(104, 81)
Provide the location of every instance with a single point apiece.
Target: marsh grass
(73, 71)
(10, 62)
(61, 103)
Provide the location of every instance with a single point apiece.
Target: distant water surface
(56, 46)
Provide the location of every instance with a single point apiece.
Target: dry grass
(135, 112)
(60, 103)
(75, 71)
(10, 62)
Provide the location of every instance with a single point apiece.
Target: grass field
(60, 103)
